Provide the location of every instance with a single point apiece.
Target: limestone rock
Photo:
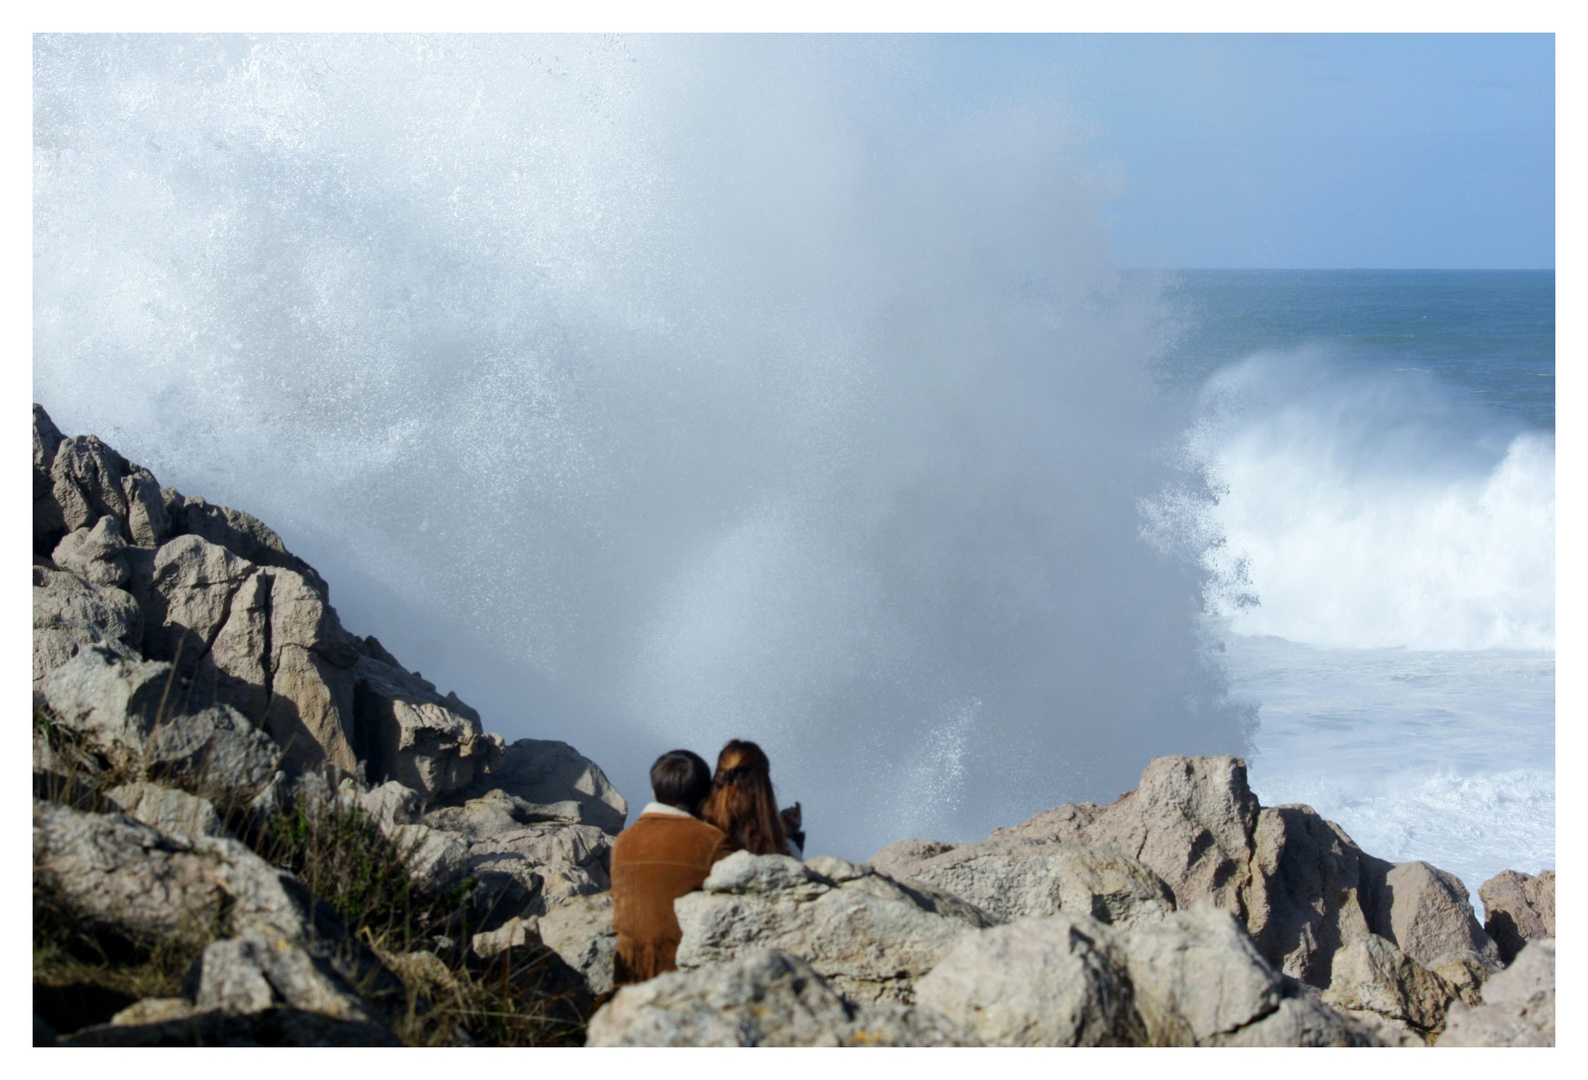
(1430, 917)
(1036, 982)
(1011, 879)
(870, 937)
(89, 481)
(69, 614)
(157, 888)
(1518, 1004)
(566, 860)
(97, 554)
(1198, 976)
(253, 972)
(168, 809)
(154, 1011)
(273, 1027)
(413, 735)
(244, 535)
(579, 929)
(763, 998)
(1190, 821)
(544, 772)
(121, 709)
(1372, 975)
(48, 524)
(515, 931)
(1518, 908)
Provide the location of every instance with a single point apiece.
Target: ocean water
(1381, 445)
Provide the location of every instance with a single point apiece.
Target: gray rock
(1036, 982)
(168, 809)
(48, 524)
(251, 973)
(413, 735)
(243, 535)
(154, 1011)
(870, 937)
(70, 614)
(1518, 1004)
(763, 998)
(159, 889)
(1012, 879)
(565, 860)
(1518, 908)
(273, 1027)
(122, 710)
(579, 930)
(89, 481)
(260, 639)
(545, 772)
(1426, 912)
(98, 554)
(1372, 975)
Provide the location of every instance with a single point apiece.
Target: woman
(744, 807)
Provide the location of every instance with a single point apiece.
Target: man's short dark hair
(681, 778)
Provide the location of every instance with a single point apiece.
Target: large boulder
(253, 972)
(547, 773)
(868, 935)
(1035, 982)
(48, 524)
(169, 810)
(579, 929)
(1017, 878)
(123, 710)
(1377, 982)
(71, 614)
(98, 555)
(1518, 908)
(1518, 1005)
(240, 533)
(260, 639)
(1427, 913)
(89, 481)
(409, 733)
(762, 998)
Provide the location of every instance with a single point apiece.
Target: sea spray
(653, 391)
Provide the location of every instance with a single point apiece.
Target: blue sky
(1305, 150)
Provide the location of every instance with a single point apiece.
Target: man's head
(681, 778)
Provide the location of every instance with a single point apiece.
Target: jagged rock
(763, 998)
(122, 709)
(562, 861)
(389, 805)
(168, 809)
(89, 481)
(870, 936)
(1430, 918)
(1198, 976)
(1035, 982)
(497, 812)
(515, 931)
(1518, 1004)
(156, 889)
(544, 772)
(579, 930)
(69, 614)
(242, 534)
(1372, 975)
(154, 1011)
(411, 734)
(260, 639)
(1518, 908)
(435, 858)
(48, 524)
(1190, 821)
(98, 554)
(1011, 879)
(252, 972)
(273, 1027)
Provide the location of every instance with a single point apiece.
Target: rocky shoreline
(252, 827)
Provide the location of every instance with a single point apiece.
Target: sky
(1302, 151)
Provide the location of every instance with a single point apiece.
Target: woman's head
(742, 803)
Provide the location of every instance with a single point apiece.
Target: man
(666, 853)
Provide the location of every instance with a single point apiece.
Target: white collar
(663, 808)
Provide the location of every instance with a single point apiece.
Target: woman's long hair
(742, 803)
